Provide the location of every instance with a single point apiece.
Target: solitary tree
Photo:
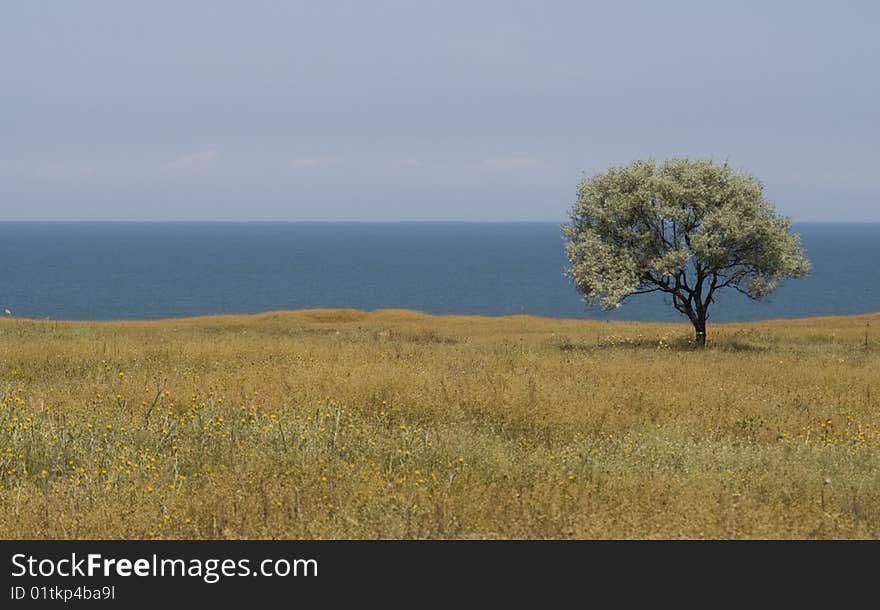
(685, 228)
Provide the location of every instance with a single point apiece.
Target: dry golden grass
(395, 424)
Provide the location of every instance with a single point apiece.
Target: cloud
(53, 171)
(315, 162)
(56, 171)
(195, 162)
(403, 165)
(7, 168)
(514, 163)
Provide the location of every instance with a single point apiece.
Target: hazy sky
(421, 110)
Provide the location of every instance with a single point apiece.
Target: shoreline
(399, 314)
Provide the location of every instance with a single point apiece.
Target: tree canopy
(685, 228)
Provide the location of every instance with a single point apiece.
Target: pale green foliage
(686, 228)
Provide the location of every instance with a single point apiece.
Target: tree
(688, 229)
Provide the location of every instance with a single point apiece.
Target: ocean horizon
(127, 270)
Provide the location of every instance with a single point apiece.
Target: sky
(476, 110)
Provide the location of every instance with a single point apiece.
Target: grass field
(395, 424)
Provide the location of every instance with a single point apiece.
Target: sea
(146, 270)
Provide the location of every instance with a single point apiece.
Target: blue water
(103, 271)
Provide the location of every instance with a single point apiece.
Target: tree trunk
(700, 328)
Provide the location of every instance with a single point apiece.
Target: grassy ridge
(395, 424)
